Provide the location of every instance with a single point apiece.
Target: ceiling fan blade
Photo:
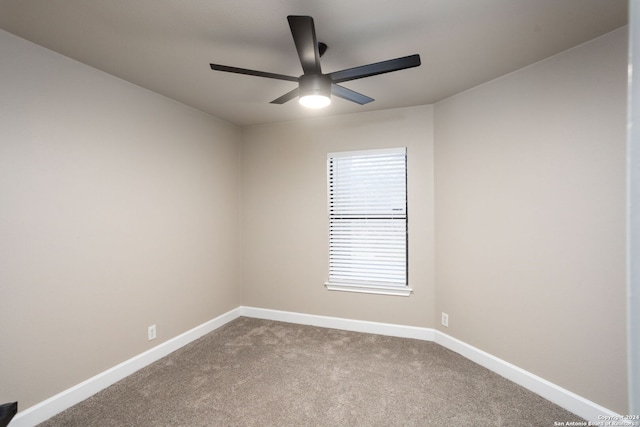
(252, 72)
(349, 95)
(375, 69)
(286, 97)
(304, 36)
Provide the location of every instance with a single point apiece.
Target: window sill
(404, 291)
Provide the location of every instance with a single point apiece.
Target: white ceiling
(166, 45)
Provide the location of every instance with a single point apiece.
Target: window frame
(363, 286)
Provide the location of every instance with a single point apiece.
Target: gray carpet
(261, 373)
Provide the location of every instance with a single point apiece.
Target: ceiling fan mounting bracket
(322, 48)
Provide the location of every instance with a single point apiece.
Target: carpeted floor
(262, 373)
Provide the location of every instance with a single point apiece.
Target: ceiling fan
(314, 87)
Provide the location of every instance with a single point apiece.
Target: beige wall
(284, 214)
(530, 215)
(119, 209)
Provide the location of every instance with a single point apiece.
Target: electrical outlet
(445, 319)
(151, 332)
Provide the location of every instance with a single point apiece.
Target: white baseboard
(340, 323)
(66, 399)
(556, 394)
(564, 398)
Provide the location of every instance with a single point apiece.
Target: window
(367, 193)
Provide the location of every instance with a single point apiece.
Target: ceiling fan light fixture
(315, 101)
(315, 91)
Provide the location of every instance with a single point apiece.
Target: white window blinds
(368, 218)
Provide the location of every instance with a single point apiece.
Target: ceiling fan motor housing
(314, 84)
